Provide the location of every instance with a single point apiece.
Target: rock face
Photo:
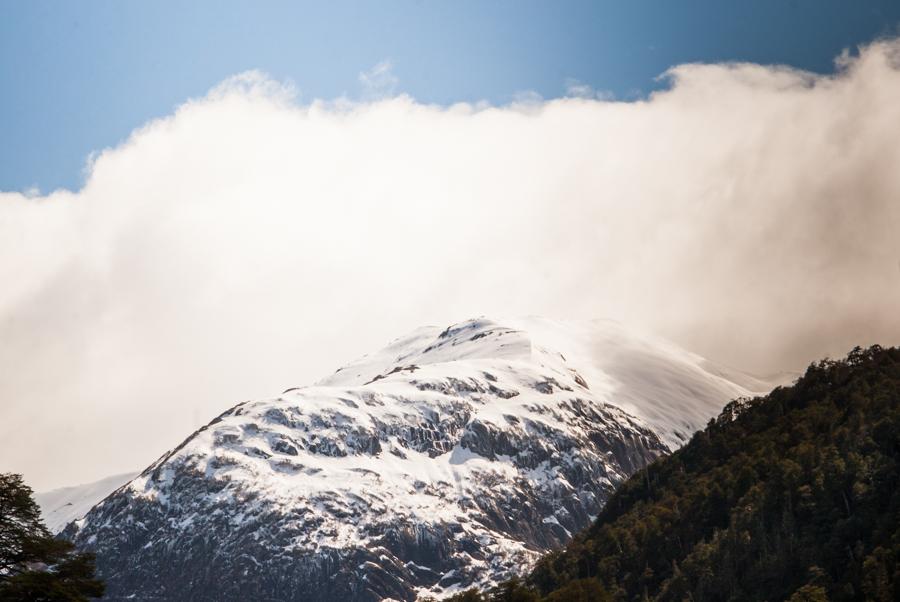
(449, 459)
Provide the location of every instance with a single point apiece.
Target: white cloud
(578, 89)
(247, 243)
(379, 82)
(527, 98)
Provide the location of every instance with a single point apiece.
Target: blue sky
(80, 76)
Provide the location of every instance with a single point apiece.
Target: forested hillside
(793, 496)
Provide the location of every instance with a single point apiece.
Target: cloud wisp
(379, 82)
(248, 243)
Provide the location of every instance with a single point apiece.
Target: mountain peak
(454, 456)
(669, 389)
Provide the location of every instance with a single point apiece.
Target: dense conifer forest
(792, 496)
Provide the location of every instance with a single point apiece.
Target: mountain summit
(453, 457)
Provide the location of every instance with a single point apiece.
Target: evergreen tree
(33, 565)
(793, 496)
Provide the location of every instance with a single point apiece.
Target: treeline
(793, 496)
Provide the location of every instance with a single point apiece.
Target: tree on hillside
(33, 565)
(793, 496)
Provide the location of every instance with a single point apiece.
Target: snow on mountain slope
(673, 391)
(61, 506)
(450, 458)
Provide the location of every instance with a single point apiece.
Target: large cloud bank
(248, 243)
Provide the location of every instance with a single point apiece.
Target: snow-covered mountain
(452, 457)
(61, 506)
